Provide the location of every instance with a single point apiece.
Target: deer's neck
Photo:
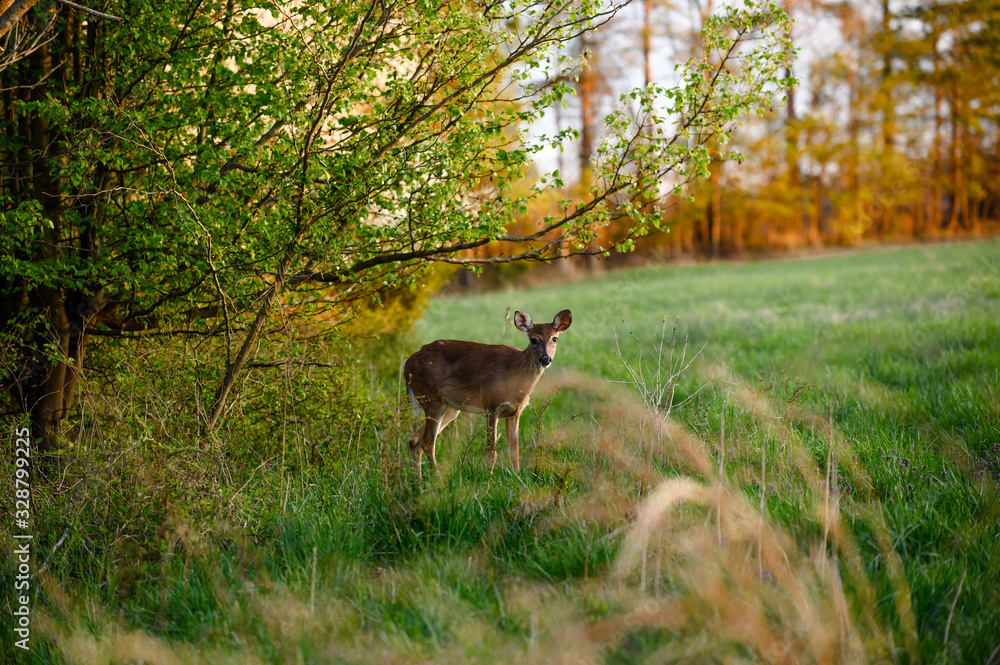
(528, 363)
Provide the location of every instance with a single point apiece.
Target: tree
(208, 169)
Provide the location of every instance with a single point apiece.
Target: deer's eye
(535, 340)
(555, 339)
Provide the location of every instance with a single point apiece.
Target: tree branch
(300, 363)
(13, 14)
(92, 12)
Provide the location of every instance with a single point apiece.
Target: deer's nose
(546, 360)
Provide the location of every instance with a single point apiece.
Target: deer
(449, 376)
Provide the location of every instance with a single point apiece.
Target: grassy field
(824, 489)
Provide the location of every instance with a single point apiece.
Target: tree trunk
(714, 213)
(11, 11)
(889, 110)
(936, 213)
(586, 90)
(738, 226)
(233, 369)
(792, 145)
(957, 211)
(647, 38)
(853, 177)
(46, 380)
(47, 375)
(886, 222)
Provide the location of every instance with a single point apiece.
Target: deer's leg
(449, 415)
(417, 437)
(423, 440)
(432, 426)
(512, 443)
(414, 442)
(415, 450)
(491, 439)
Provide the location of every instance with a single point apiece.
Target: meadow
(786, 461)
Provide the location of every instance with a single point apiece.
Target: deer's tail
(417, 411)
(409, 391)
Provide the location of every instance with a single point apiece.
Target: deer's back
(469, 375)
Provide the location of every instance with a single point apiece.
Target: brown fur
(449, 376)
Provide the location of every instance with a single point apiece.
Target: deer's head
(543, 336)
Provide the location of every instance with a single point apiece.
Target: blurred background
(890, 134)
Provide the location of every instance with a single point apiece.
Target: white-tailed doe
(449, 376)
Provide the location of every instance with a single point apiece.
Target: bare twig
(62, 539)
(993, 660)
(658, 389)
(283, 363)
(722, 471)
(826, 496)
(951, 612)
(13, 14)
(92, 12)
(312, 589)
(760, 519)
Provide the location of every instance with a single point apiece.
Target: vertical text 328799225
(22, 538)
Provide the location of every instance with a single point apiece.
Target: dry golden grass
(702, 561)
(700, 564)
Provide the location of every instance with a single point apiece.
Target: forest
(224, 227)
(888, 134)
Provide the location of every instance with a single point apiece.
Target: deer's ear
(522, 322)
(562, 320)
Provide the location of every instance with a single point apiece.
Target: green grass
(903, 345)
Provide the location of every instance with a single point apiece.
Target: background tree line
(890, 133)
